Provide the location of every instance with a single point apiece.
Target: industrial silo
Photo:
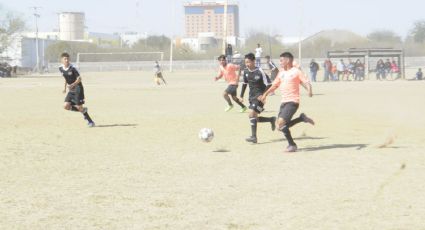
(71, 26)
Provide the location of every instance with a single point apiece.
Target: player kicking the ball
(228, 70)
(289, 79)
(74, 100)
(258, 83)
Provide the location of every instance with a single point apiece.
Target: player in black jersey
(258, 83)
(74, 100)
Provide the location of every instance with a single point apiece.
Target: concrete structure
(43, 35)
(71, 26)
(130, 38)
(104, 40)
(22, 52)
(207, 17)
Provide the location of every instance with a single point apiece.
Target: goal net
(118, 61)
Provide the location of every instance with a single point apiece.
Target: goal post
(108, 61)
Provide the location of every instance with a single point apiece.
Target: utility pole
(225, 26)
(36, 16)
(173, 13)
(300, 35)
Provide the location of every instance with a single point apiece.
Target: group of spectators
(386, 70)
(339, 71)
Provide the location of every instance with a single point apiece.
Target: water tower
(71, 26)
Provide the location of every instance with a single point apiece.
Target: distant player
(74, 100)
(258, 83)
(228, 71)
(289, 79)
(258, 54)
(158, 74)
(272, 67)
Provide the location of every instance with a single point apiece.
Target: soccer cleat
(291, 149)
(251, 139)
(91, 124)
(306, 119)
(243, 110)
(228, 108)
(273, 123)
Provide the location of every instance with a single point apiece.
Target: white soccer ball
(206, 134)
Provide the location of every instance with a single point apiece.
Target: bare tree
(10, 25)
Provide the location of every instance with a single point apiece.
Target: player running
(74, 100)
(158, 74)
(258, 83)
(289, 79)
(228, 70)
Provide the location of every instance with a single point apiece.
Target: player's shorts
(232, 90)
(159, 75)
(75, 96)
(287, 110)
(256, 105)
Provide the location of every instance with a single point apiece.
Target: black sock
(74, 109)
(295, 121)
(228, 101)
(238, 102)
(253, 122)
(288, 136)
(265, 119)
(87, 117)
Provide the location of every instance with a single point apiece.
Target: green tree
(153, 43)
(73, 48)
(418, 31)
(10, 26)
(271, 46)
(386, 36)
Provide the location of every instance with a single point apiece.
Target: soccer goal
(118, 61)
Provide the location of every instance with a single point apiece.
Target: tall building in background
(207, 17)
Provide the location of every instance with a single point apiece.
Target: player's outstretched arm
(244, 85)
(268, 91)
(76, 82)
(307, 86)
(218, 77)
(64, 88)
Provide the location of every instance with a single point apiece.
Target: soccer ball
(206, 134)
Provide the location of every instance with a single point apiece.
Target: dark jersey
(70, 74)
(257, 80)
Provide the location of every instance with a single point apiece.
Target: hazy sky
(275, 16)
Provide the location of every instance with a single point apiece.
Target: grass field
(361, 167)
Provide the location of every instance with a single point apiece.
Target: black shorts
(159, 75)
(232, 90)
(256, 105)
(287, 110)
(75, 96)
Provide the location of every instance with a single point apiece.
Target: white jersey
(258, 52)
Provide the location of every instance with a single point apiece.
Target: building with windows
(208, 17)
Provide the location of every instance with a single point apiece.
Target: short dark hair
(65, 54)
(250, 56)
(221, 57)
(267, 56)
(287, 55)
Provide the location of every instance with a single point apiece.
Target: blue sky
(275, 16)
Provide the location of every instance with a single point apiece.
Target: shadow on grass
(221, 150)
(334, 146)
(116, 125)
(297, 138)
